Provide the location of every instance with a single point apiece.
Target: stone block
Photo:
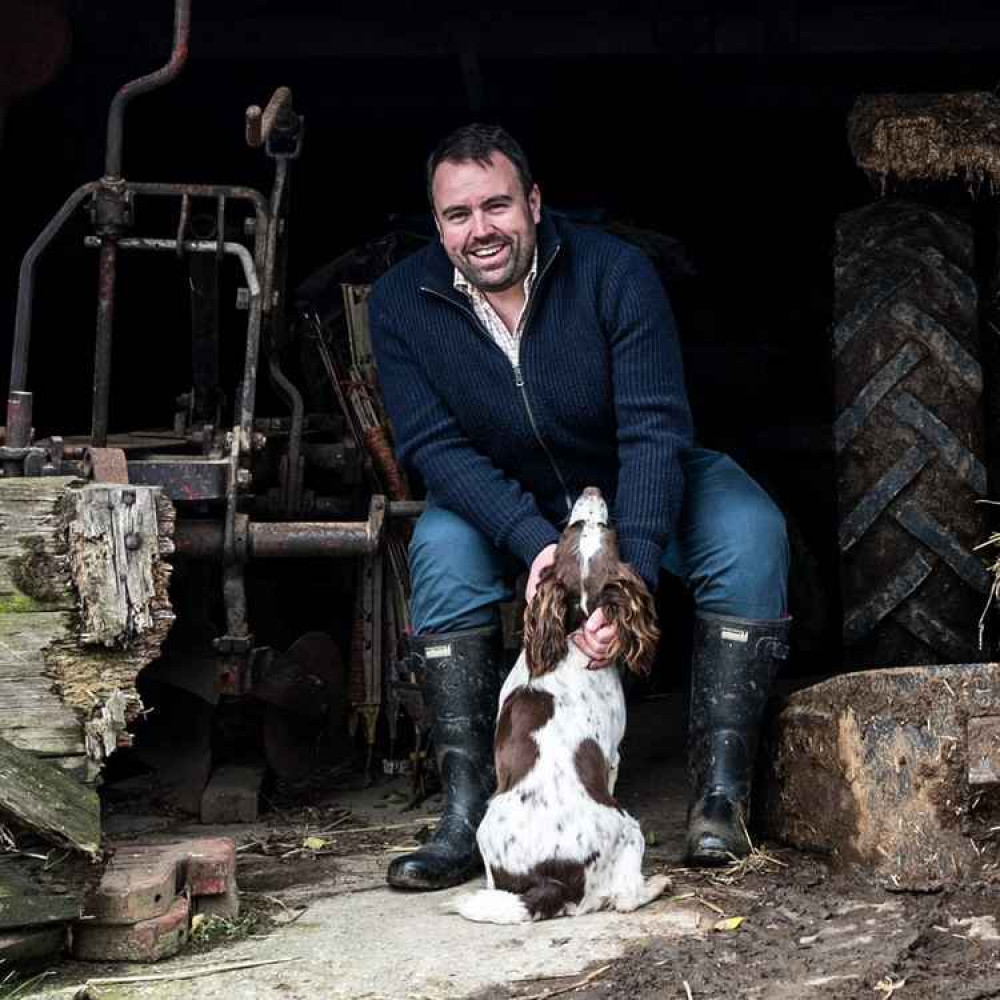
(896, 770)
(231, 795)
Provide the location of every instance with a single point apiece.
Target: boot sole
(410, 883)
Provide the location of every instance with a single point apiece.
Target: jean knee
(757, 581)
(457, 575)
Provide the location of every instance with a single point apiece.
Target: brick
(226, 904)
(142, 880)
(886, 769)
(139, 883)
(232, 795)
(144, 941)
(211, 865)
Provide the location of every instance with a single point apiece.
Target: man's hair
(478, 143)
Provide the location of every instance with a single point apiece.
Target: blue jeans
(730, 550)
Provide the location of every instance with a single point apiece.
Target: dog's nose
(592, 493)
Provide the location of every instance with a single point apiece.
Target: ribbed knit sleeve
(653, 417)
(430, 440)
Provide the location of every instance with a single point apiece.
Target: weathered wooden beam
(41, 797)
(84, 606)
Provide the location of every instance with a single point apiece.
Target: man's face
(486, 222)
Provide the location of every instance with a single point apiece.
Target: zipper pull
(518, 377)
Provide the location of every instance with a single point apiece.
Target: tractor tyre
(908, 436)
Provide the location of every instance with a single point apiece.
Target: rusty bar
(281, 101)
(310, 539)
(102, 348)
(194, 246)
(182, 223)
(279, 540)
(406, 508)
(18, 420)
(234, 191)
(144, 84)
(18, 431)
(26, 285)
(198, 539)
(293, 466)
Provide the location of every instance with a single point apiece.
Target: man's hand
(595, 639)
(544, 558)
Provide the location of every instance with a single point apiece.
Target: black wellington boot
(733, 665)
(463, 674)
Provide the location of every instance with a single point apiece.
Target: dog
(554, 840)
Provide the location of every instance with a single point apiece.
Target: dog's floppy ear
(545, 642)
(627, 601)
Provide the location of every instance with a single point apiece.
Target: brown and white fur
(554, 840)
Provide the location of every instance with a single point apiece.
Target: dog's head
(588, 574)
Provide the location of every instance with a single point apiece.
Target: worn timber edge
(84, 605)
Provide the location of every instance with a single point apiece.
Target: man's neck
(508, 303)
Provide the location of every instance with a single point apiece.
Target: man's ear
(545, 642)
(535, 204)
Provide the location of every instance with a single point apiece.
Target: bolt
(128, 497)
(133, 541)
(242, 477)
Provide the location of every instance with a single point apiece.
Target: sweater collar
(439, 271)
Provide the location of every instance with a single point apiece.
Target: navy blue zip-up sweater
(597, 398)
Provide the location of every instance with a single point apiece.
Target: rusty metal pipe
(144, 84)
(235, 192)
(278, 540)
(18, 430)
(19, 406)
(107, 267)
(193, 246)
(26, 285)
(310, 539)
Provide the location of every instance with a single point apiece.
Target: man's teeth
(487, 251)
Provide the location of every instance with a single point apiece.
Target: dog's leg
(629, 890)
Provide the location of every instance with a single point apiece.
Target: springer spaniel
(554, 840)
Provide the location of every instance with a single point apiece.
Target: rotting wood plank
(30, 909)
(41, 797)
(84, 606)
(34, 571)
(23, 945)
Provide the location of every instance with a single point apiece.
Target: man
(522, 360)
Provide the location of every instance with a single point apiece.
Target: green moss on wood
(18, 603)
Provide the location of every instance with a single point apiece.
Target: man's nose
(481, 226)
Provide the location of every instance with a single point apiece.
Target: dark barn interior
(720, 125)
(268, 668)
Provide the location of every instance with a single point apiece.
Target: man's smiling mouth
(487, 253)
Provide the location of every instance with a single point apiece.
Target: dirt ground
(784, 925)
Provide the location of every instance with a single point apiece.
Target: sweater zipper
(519, 382)
(518, 374)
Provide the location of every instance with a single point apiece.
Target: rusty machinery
(238, 485)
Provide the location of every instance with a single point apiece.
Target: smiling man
(522, 360)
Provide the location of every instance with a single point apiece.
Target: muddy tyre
(908, 436)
